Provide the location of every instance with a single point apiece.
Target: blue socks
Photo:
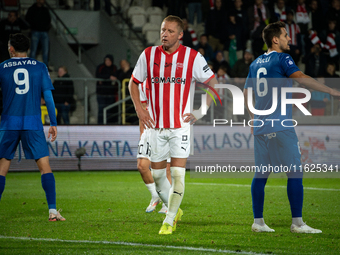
(257, 193)
(48, 184)
(295, 196)
(2, 184)
(294, 192)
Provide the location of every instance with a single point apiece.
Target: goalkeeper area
(105, 214)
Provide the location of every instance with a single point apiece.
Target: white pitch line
(248, 186)
(189, 248)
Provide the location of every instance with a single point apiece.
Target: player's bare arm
(196, 114)
(142, 114)
(311, 83)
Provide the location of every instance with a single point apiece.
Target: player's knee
(141, 167)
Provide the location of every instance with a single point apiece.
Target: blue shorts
(33, 143)
(278, 152)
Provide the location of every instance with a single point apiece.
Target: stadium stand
(155, 15)
(137, 15)
(151, 33)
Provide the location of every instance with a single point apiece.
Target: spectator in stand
(293, 32)
(189, 36)
(316, 61)
(63, 96)
(259, 16)
(195, 6)
(176, 7)
(215, 27)
(279, 11)
(317, 20)
(240, 70)
(208, 51)
(125, 70)
(38, 16)
(223, 78)
(241, 18)
(12, 25)
(234, 45)
(334, 12)
(302, 20)
(106, 92)
(332, 79)
(219, 61)
(201, 50)
(331, 39)
(319, 100)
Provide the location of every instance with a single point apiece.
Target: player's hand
(189, 117)
(52, 132)
(145, 118)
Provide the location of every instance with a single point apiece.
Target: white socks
(162, 184)
(259, 221)
(298, 221)
(54, 211)
(152, 188)
(176, 193)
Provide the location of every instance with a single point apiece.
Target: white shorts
(144, 148)
(170, 142)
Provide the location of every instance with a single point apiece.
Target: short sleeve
(46, 79)
(139, 73)
(142, 95)
(202, 71)
(288, 65)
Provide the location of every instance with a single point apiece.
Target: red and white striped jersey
(293, 30)
(171, 81)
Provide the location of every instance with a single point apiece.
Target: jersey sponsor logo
(168, 65)
(20, 63)
(168, 80)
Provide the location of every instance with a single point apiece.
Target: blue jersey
(22, 81)
(266, 72)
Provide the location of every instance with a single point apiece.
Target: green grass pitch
(105, 214)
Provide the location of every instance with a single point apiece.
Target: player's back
(266, 72)
(22, 81)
